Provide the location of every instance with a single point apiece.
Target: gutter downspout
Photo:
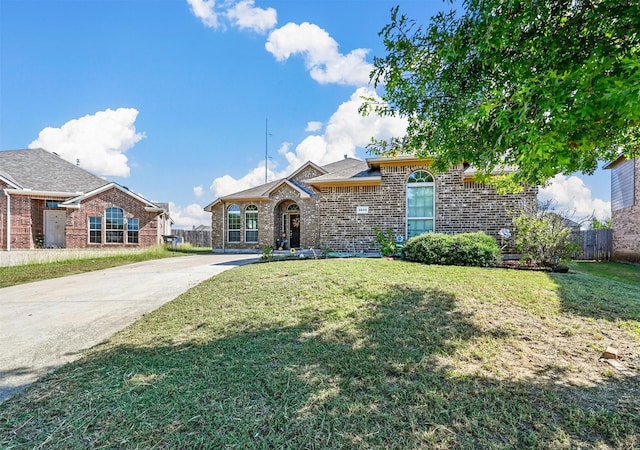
(8, 220)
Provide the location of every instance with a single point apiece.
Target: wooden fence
(596, 244)
(195, 238)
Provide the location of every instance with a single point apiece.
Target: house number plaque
(362, 210)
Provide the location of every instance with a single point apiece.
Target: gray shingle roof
(254, 192)
(346, 169)
(39, 170)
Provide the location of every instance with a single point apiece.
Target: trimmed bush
(465, 249)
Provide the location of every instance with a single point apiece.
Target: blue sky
(170, 97)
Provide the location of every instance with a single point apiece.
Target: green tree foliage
(600, 224)
(549, 86)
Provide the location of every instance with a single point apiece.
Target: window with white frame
(251, 223)
(114, 226)
(95, 230)
(133, 230)
(420, 203)
(233, 223)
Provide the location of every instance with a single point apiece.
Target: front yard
(355, 353)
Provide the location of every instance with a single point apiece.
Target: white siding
(622, 185)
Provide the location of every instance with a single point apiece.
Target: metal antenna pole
(266, 155)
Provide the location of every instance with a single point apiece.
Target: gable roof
(348, 170)
(75, 201)
(343, 168)
(615, 162)
(39, 170)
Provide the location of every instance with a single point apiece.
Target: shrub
(465, 249)
(386, 241)
(543, 238)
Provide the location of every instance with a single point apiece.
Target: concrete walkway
(46, 324)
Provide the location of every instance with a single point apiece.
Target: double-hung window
(133, 231)
(251, 223)
(233, 223)
(420, 203)
(95, 230)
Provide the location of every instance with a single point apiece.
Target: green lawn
(77, 263)
(627, 273)
(354, 353)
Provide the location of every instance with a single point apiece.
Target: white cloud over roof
(570, 194)
(345, 132)
(321, 55)
(98, 142)
(189, 216)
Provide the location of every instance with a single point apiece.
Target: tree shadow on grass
(598, 298)
(372, 378)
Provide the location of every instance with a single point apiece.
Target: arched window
(251, 223)
(233, 223)
(293, 208)
(420, 203)
(114, 226)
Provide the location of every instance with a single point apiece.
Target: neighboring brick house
(339, 205)
(625, 208)
(48, 202)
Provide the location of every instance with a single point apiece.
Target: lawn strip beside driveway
(46, 324)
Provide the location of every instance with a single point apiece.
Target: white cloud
(320, 51)
(198, 191)
(570, 194)
(205, 11)
(313, 126)
(227, 184)
(346, 131)
(98, 141)
(243, 14)
(189, 216)
(246, 16)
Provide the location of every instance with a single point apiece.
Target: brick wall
(269, 221)
(3, 217)
(626, 226)
(459, 207)
(21, 230)
(330, 218)
(77, 230)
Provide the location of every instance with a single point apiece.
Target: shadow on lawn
(368, 380)
(588, 296)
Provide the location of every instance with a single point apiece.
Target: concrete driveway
(48, 323)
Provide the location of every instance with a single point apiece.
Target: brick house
(48, 202)
(625, 208)
(337, 206)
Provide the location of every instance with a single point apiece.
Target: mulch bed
(523, 265)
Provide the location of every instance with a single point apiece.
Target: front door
(294, 230)
(54, 227)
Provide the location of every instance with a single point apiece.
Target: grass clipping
(354, 354)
